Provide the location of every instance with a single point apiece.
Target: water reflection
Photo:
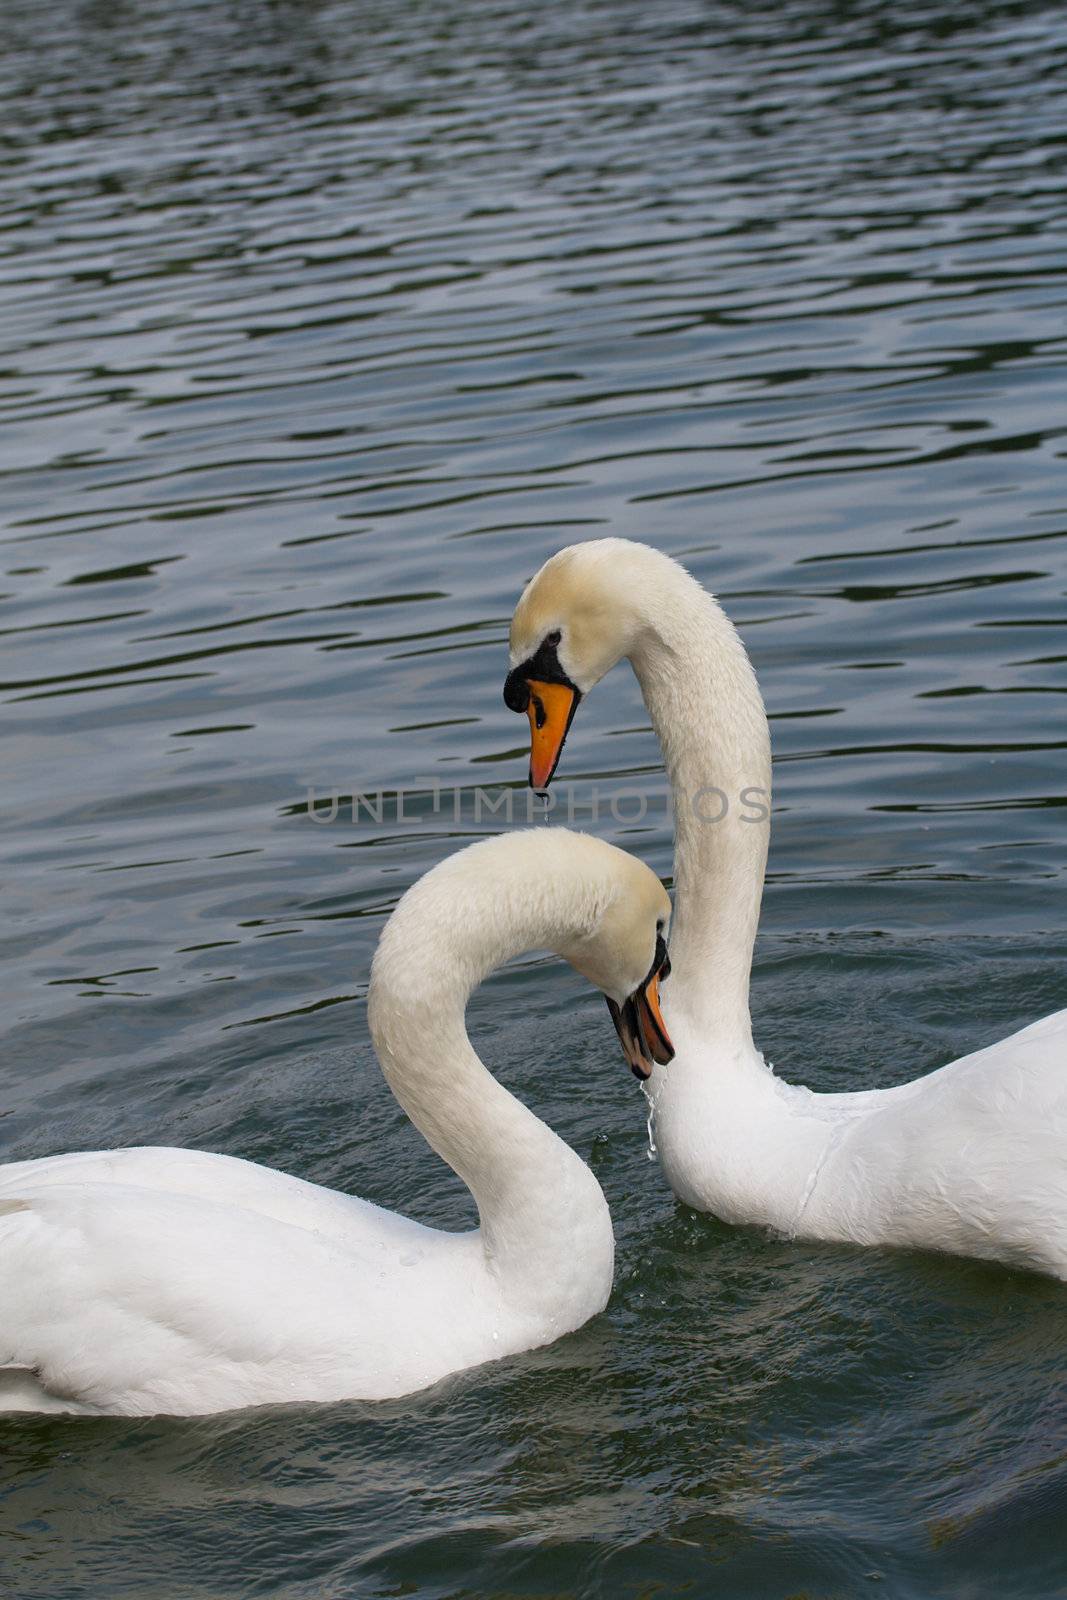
(323, 325)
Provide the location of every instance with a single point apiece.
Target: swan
(146, 1281)
(971, 1159)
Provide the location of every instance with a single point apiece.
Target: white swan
(151, 1280)
(971, 1159)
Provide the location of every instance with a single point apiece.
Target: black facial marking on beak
(544, 666)
(639, 1021)
(628, 1029)
(516, 689)
(540, 687)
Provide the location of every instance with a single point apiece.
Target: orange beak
(640, 1027)
(653, 1027)
(551, 711)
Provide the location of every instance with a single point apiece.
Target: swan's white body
(971, 1159)
(154, 1280)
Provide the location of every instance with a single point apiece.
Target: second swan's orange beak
(639, 1022)
(551, 709)
(650, 1016)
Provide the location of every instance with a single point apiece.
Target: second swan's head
(624, 951)
(599, 908)
(581, 613)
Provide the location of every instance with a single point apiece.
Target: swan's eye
(553, 638)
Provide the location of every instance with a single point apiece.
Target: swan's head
(625, 956)
(577, 617)
(595, 905)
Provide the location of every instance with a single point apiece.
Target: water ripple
(320, 327)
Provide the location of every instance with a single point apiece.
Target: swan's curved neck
(705, 706)
(538, 1203)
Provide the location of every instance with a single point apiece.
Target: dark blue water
(322, 325)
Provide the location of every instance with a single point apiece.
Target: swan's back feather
(126, 1298)
(972, 1158)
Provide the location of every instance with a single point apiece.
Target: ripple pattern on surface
(321, 326)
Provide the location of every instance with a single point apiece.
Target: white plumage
(155, 1280)
(970, 1159)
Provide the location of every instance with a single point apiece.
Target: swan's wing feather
(969, 1159)
(221, 1180)
(1021, 1080)
(135, 1300)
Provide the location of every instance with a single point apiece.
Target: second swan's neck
(543, 1216)
(705, 706)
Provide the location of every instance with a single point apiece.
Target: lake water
(323, 324)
